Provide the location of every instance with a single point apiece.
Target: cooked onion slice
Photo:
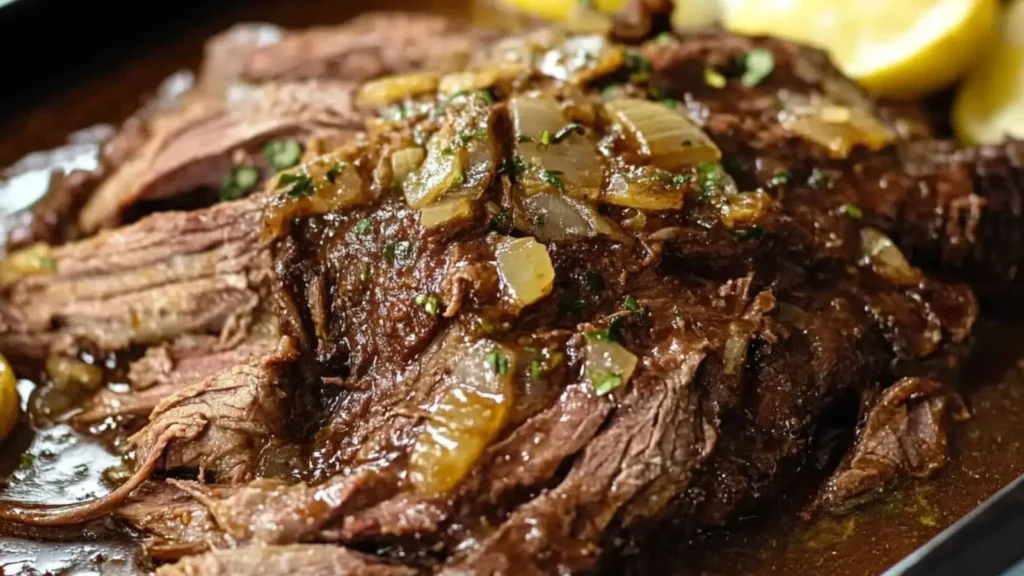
(665, 135)
(405, 161)
(446, 213)
(440, 171)
(553, 217)
(569, 163)
(837, 128)
(580, 59)
(608, 365)
(390, 89)
(885, 258)
(482, 78)
(525, 269)
(465, 419)
(9, 402)
(325, 184)
(34, 260)
(644, 188)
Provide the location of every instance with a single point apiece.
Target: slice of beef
(905, 434)
(166, 369)
(218, 426)
(176, 524)
(369, 46)
(198, 147)
(311, 560)
(169, 275)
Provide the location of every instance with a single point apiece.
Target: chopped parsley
(710, 178)
(714, 78)
(630, 303)
(553, 179)
(498, 363)
(397, 250)
(640, 66)
(613, 333)
(537, 370)
(239, 183)
(363, 227)
(500, 222)
(682, 179)
(545, 137)
(751, 233)
(26, 460)
(594, 281)
(429, 302)
(467, 137)
(523, 138)
(566, 131)
(818, 179)
(851, 210)
(337, 169)
(758, 64)
(447, 151)
(301, 184)
(539, 220)
(605, 382)
(282, 154)
(782, 176)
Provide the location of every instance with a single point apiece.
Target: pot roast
(506, 305)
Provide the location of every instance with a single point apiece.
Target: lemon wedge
(561, 9)
(895, 48)
(990, 104)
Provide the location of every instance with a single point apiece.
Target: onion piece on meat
(467, 417)
(644, 188)
(885, 258)
(325, 184)
(837, 128)
(553, 217)
(580, 59)
(552, 154)
(665, 135)
(9, 402)
(440, 171)
(608, 365)
(446, 213)
(33, 260)
(384, 91)
(482, 78)
(405, 161)
(525, 268)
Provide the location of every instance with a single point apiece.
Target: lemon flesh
(900, 49)
(560, 9)
(990, 104)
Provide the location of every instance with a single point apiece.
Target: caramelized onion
(608, 365)
(482, 78)
(405, 161)
(440, 170)
(580, 59)
(744, 208)
(525, 268)
(33, 260)
(837, 128)
(465, 419)
(69, 373)
(567, 164)
(390, 89)
(644, 188)
(9, 402)
(665, 135)
(885, 258)
(325, 184)
(446, 213)
(553, 217)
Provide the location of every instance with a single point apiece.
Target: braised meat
(527, 307)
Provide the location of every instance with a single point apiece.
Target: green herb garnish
(26, 460)
(337, 169)
(630, 303)
(301, 184)
(429, 302)
(782, 176)
(751, 233)
(553, 179)
(714, 78)
(851, 210)
(594, 281)
(467, 137)
(238, 183)
(682, 179)
(605, 382)
(818, 179)
(539, 220)
(282, 154)
(498, 363)
(545, 137)
(757, 65)
(501, 221)
(710, 178)
(537, 370)
(363, 227)
(397, 250)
